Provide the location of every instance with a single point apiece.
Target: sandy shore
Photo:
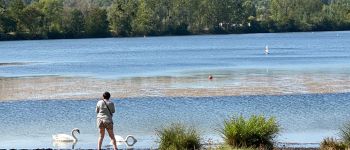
(56, 87)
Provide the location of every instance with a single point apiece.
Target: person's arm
(97, 108)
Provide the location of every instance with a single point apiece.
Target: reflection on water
(303, 118)
(64, 145)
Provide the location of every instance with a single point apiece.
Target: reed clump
(345, 134)
(255, 132)
(228, 147)
(178, 137)
(330, 143)
(343, 143)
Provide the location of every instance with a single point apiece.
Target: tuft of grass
(255, 132)
(332, 144)
(178, 137)
(345, 134)
(228, 147)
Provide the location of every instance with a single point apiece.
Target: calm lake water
(154, 56)
(305, 118)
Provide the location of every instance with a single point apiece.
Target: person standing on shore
(105, 109)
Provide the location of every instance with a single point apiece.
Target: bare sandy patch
(56, 87)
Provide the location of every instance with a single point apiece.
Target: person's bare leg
(111, 135)
(100, 138)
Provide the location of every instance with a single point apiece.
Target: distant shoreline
(28, 37)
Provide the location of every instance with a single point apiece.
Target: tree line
(50, 19)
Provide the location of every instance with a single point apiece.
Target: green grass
(332, 144)
(228, 147)
(255, 132)
(178, 137)
(345, 134)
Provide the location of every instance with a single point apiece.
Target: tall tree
(33, 20)
(180, 16)
(15, 12)
(2, 15)
(143, 22)
(53, 10)
(73, 23)
(120, 15)
(96, 23)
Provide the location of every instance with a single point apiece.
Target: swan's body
(66, 137)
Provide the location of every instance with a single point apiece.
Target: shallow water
(166, 81)
(303, 118)
(157, 56)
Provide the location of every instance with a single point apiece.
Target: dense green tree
(179, 16)
(161, 17)
(73, 23)
(15, 13)
(120, 15)
(338, 12)
(26, 19)
(200, 18)
(143, 22)
(2, 15)
(33, 20)
(53, 10)
(96, 23)
(2, 7)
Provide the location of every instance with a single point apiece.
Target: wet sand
(75, 88)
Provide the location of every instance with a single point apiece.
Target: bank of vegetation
(239, 133)
(51, 19)
(256, 132)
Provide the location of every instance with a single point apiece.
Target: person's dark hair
(106, 95)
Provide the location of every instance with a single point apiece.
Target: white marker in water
(266, 49)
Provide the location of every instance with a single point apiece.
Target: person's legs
(100, 138)
(111, 135)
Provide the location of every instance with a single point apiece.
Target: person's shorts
(104, 124)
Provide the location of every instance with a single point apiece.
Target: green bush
(228, 147)
(345, 134)
(178, 137)
(255, 132)
(332, 144)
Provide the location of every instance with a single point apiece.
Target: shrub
(256, 132)
(345, 134)
(332, 144)
(228, 147)
(177, 136)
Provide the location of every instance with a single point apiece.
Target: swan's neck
(75, 138)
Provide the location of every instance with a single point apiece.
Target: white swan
(66, 137)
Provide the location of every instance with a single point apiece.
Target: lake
(52, 86)
(156, 56)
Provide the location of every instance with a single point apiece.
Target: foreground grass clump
(255, 132)
(228, 147)
(341, 144)
(332, 144)
(178, 137)
(345, 134)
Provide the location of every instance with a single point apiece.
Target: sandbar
(78, 88)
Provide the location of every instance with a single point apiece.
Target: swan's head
(76, 129)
